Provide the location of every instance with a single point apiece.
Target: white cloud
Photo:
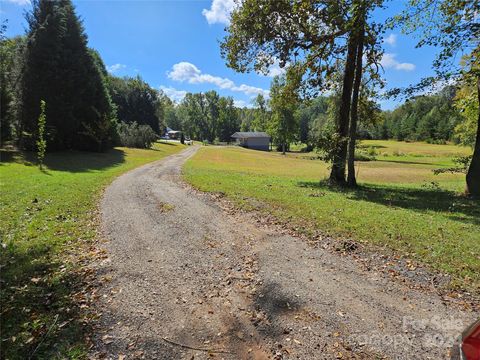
(242, 104)
(219, 12)
(173, 94)
(115, 67)
(222, 83)
(391, 40)
(275, 69)
(20, 2)
(389, 62)
(183, 71)
(251, 90)
(188, 72)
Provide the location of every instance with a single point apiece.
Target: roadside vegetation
(399, 203)
(47, 224)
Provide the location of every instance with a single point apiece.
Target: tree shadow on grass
(69, 161)
(455, 207)
(167, 143)
(27, 290)
(409, 162)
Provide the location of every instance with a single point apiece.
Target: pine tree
(60, 69)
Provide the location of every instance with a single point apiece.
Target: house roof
(250, 134)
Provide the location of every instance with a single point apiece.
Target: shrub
(136, 136)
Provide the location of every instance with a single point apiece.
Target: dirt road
(187, 280)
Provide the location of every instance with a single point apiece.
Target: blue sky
(174, 45)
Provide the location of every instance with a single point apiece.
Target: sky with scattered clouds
(174, 45)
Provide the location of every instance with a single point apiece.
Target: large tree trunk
(337, 175)
(473, 174)
(351, 180)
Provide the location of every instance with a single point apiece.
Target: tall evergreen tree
(60, 69)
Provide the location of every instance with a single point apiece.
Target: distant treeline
(431, 118)
(434, 118)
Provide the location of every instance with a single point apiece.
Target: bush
(136, 136)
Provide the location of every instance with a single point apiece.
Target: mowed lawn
(400, 202)
(46, 214)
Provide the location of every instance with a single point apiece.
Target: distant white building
(253, 140)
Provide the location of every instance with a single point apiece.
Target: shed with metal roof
(253, 140)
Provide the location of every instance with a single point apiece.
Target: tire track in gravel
(183, 274)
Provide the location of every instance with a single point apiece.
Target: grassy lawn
(400, 202)
(47, 219)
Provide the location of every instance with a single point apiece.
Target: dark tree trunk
(473, 174)
(337, 175)
(351, 179)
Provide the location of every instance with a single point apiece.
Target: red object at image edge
(471, 342)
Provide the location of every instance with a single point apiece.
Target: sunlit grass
(400, 203)
(42, 214)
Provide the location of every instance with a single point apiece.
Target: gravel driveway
(186, 279)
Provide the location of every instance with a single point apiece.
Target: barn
(253, 140)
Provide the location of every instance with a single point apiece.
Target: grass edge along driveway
(48, 223)
(424, 219)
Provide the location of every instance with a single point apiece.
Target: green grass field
(45, 215)
(400, 202)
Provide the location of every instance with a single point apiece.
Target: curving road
(188, 280)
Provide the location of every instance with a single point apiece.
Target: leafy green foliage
(136, 101)
(462, 164)
(284, 101)
(10, 65)
(207, 116)
(466, 102)
(136, 136)
(261, 114)
(41, 142)
(452, 26)
(423, 118)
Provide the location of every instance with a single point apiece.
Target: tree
(467, 104)
(284, 101)
(208, 116)
(228, 122)
(41, 142)
(452, 26)
(307, 113)
(59, 68)
(136, 101)
(246, 117)
(310, 34)
(260, 120)
(11, 61)
(358, 34)
(165, 109)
